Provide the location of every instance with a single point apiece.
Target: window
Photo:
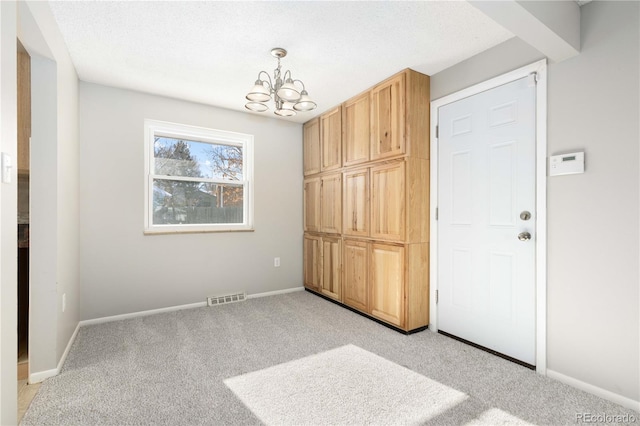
(197, 179)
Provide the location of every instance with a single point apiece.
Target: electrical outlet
(64, 301)
(276, 262)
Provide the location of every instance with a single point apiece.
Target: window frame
(153, 128)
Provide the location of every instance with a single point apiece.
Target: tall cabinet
(366, 202)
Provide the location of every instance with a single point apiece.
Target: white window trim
(182, 131)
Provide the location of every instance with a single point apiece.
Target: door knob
(524, 236)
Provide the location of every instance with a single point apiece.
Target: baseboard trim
(68, 348)
(274, 293)
(177, 308)
(141, 313)
(40, 376)
(595, 390)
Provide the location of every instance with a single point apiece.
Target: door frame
(539, 69)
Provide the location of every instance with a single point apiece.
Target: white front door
(487, 219)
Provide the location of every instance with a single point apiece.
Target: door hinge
(436, 213)
(437, 131)
(436, 297)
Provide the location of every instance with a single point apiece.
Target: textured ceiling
(211, 51)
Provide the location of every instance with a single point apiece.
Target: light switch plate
(7, 167)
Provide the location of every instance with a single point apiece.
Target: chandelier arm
(300, 81)
(268, 81)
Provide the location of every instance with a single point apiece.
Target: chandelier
(282, 89)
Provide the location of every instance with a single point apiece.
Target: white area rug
(347, 385)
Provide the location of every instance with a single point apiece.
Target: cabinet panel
(388, 114)
(356, 138)
(312, 254)
(387, 283)
(311, 138)
(331, 139)
(24, 110)
(388, 201)
(356, 203)
(312, 204)
(332, 268)
(331, 204)
(356, 270)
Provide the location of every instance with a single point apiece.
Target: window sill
(192, 231)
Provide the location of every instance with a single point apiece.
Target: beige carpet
(347, 385)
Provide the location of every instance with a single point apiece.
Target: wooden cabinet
(323, 204)
(387, 129)
(356, 274)
(400, 200)
(312, 258)
(322, 257)
(312, 204)
(332, 267)
(311, 146)
(387, 283)
(331, 139)
(367, 207)
(356, 135)
(331, 203)
(356, 202)
(24, 110)
(388, 201)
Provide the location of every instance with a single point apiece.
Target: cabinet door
(332, 268)
(312, 204)
(356, 203)
(331, 137)
(356, 136)
(311, 137)
(356, 270)
(388, 201)
(387, 283)
(331, 204)
(24, 111)
(312, 253)
(387, 126)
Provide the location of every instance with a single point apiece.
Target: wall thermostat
(566, 164)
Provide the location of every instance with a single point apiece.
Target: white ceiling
(211, 51)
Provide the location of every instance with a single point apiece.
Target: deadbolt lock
(525, 215)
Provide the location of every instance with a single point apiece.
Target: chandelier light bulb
(288, 91)
(256, 106)
(286, 110)
(258, 93)
(305, 103)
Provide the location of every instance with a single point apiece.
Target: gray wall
(54, 229)
(8, 217)
(593, 228)
(43, 230)
(124, 271)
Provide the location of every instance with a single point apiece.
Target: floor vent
(228, 298)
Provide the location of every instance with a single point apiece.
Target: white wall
(593, 230)
(124, 271)
(8, 218)
(54, 229)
